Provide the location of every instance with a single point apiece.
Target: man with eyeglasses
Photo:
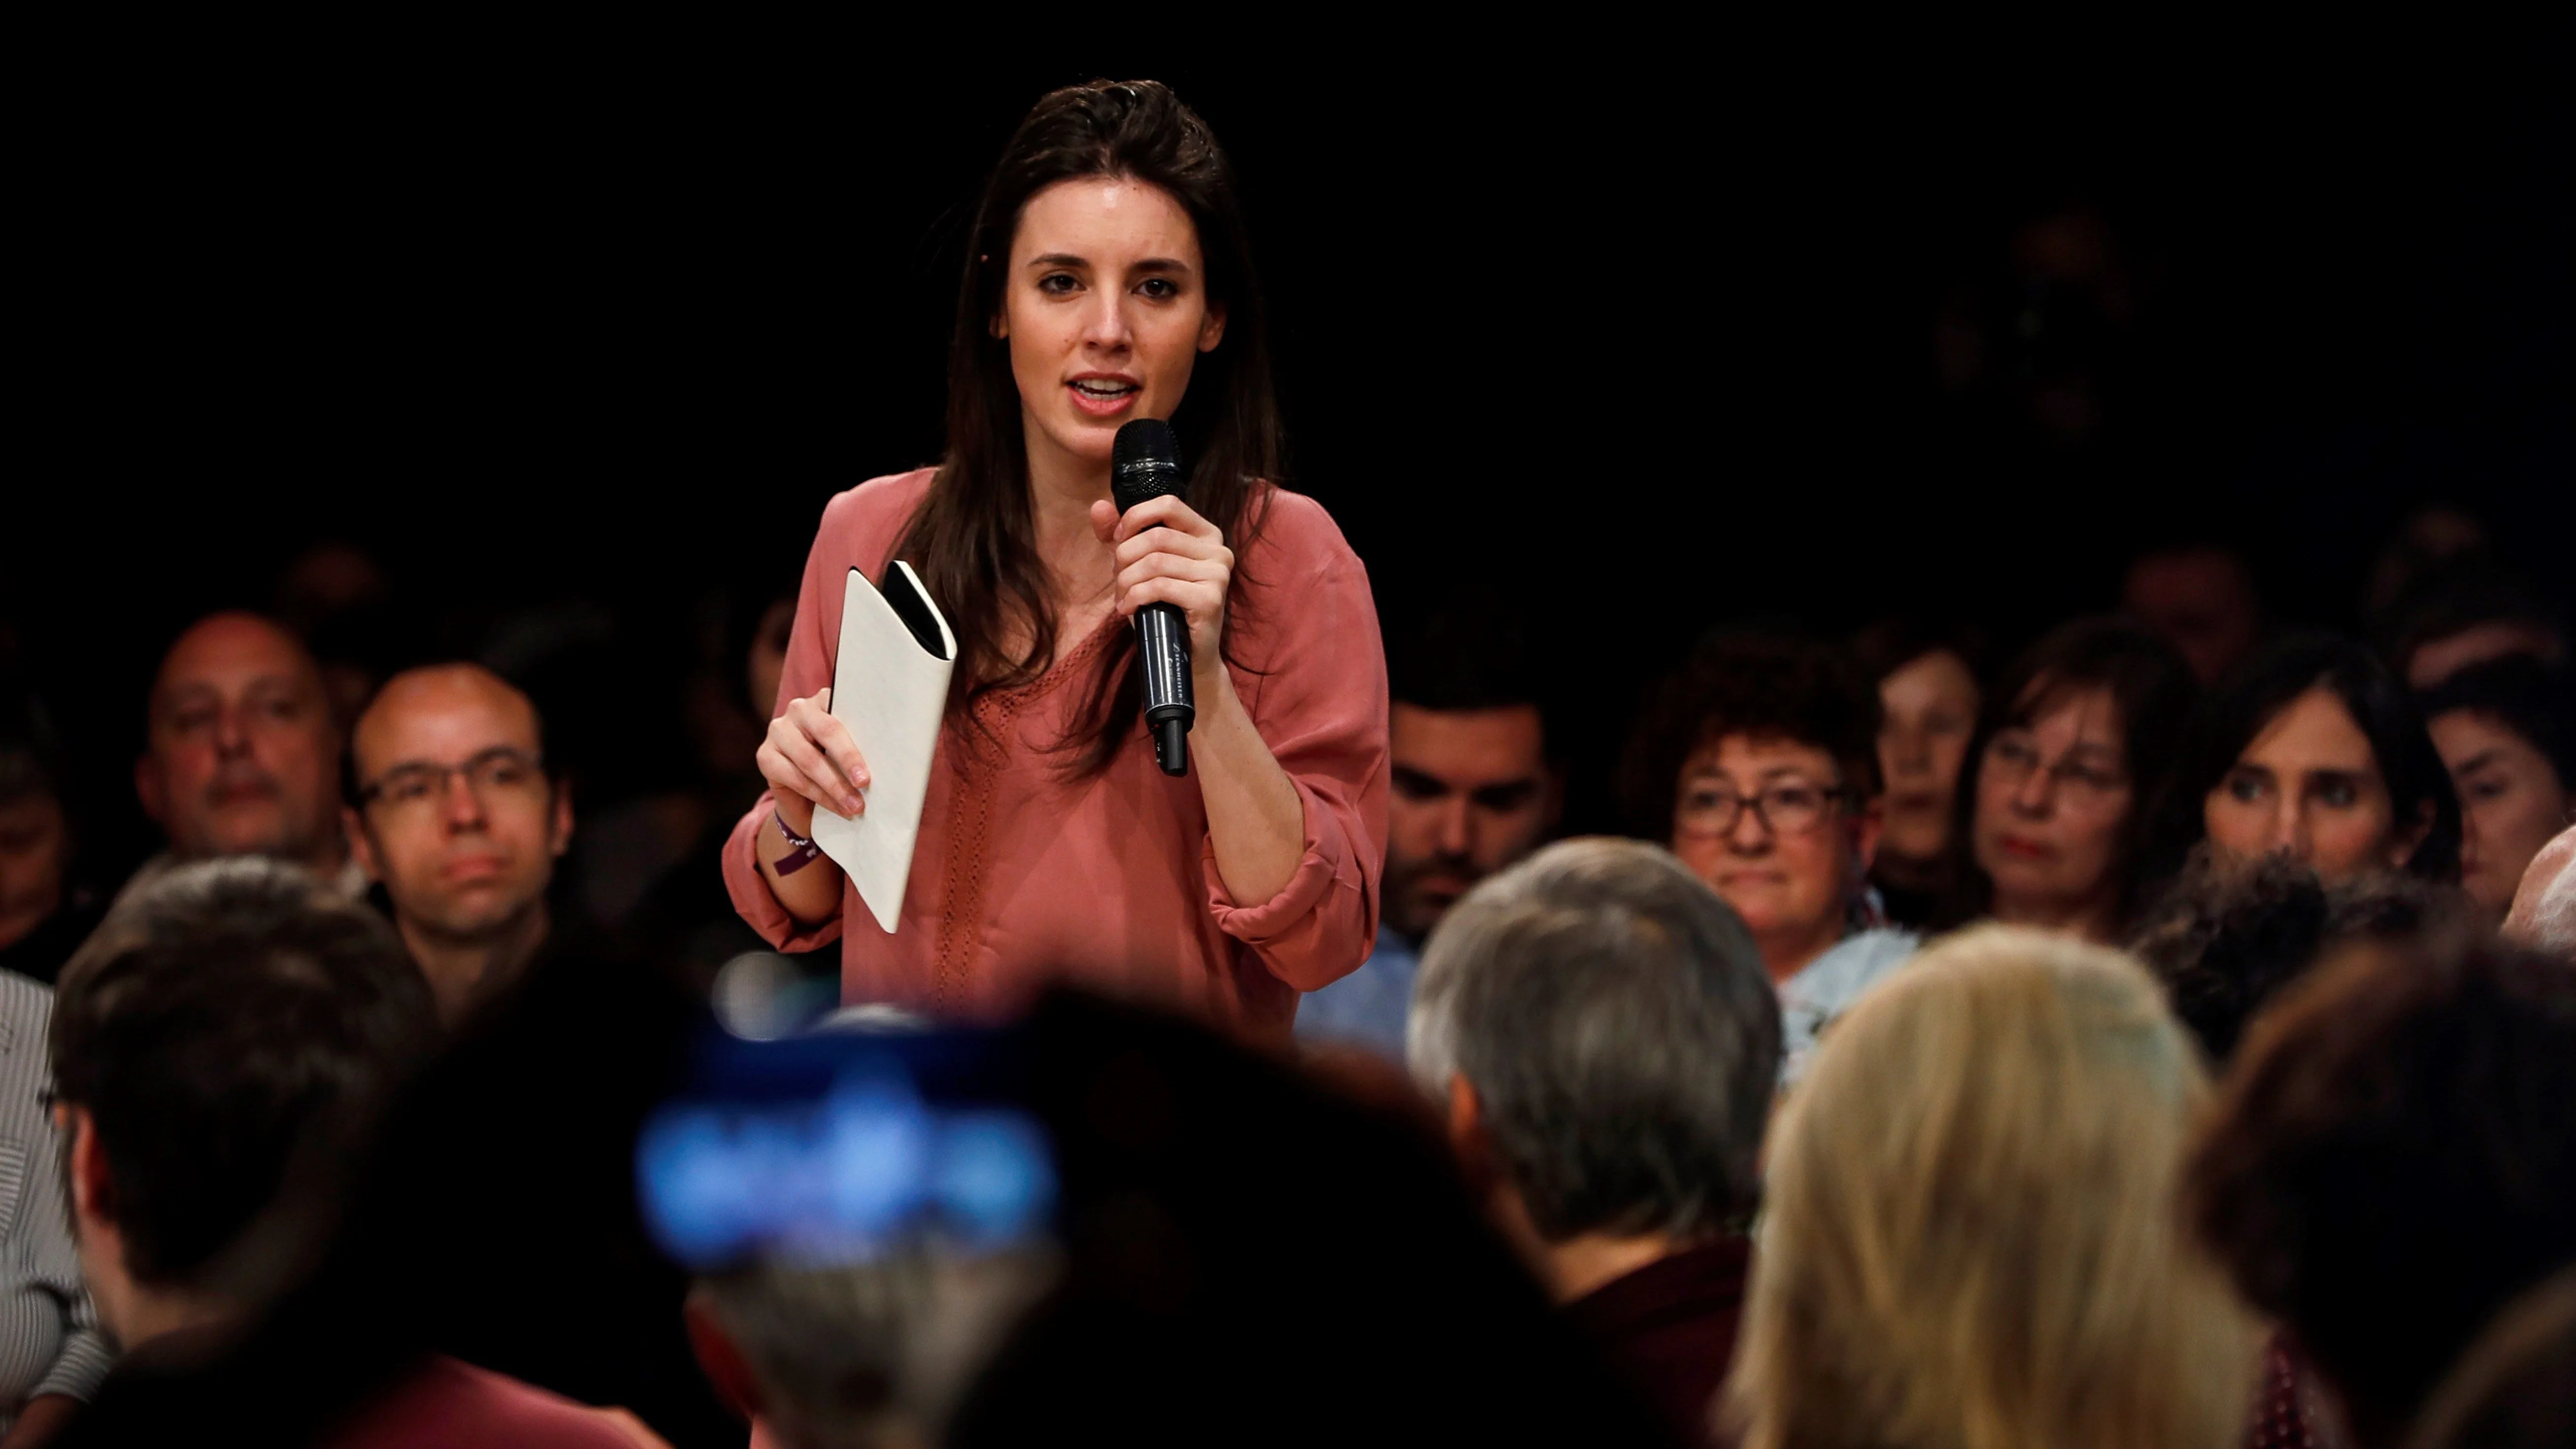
(1758, 764)
(459, 820)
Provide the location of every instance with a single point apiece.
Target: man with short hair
(458, 818)
(221, 1048)
(240, 754)
(1600, 1032)
(1473, 790)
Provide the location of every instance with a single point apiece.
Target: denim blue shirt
(1367, 1007)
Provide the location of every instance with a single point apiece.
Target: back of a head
(1969, 1236)
(2394, 1158)
(2229, 935)
(1615, 1020)
(2544, 909)
(234, 1020)
(2516, 1386)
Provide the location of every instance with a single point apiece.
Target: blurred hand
(809, 759)
(1167, 554)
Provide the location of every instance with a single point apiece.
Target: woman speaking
(1108, 278)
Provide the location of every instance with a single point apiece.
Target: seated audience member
(827, 1355)
(1759, 764)
(2470, 611)
(458, 817)
(241, 756)
(2200, 598)
(2060, 791)
(221, 1047)
(1969, 1233)
(44, 915)
(2544, 909)
(1929, 699)
(2516, 1386)
(2228, 935)
(2313, 751)
(2507, 732)
(1472, 791)
(1600, 1029)
(2393, 1159)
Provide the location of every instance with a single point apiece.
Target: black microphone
(1145, 463)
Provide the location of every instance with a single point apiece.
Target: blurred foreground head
(241, 756)
(2544, 909)
(1970, 1237)
(2394, 1159)
(220, 1047)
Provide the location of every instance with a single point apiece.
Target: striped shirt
(50, 1341)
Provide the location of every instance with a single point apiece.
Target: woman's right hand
(809, 759)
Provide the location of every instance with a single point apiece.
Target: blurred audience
(2201, 599)
(2429, 539)
(241, 756)
(1969, 1235)
(2468, 611)
(2078, 742)
(459, 819)
(44, 912)
(867, 1350)
(2314, 751)
(222, 1048)
(2516, 1386)
(2544, 908)
(2229, 934)
(1759, 763)
(1602, 1035)
(2393, 1160)
(1473, 789)
(1929, 699)
(2506, 729)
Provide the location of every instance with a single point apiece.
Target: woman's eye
(1055, 284)
(1158, 288)
(2487, 790)
(2337, 794)
(2245, 788)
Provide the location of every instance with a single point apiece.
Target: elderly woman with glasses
(1758, 764)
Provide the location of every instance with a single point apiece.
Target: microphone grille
(1146, 440)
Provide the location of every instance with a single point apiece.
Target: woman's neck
(2094, 919)
(1062, 488)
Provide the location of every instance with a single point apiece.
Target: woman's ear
(1211, 329)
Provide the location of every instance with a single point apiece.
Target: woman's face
(1105, 308)
(1930, 711)
(2053, 805)
(2511, 802)
(1790, 868)
(2308, 787)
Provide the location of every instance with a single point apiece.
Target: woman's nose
(2290, 831)
(1105, 322)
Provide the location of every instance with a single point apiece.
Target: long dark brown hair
(973, 540)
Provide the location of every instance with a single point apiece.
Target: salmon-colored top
(1021, 877)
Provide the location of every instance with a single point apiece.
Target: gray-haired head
(1622, 1038)
(2544, 909)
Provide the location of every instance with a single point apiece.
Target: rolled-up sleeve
(1317, 693)
(808, 668)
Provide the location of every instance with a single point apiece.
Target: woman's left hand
(1167, 554)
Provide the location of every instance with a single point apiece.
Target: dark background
(588, 336)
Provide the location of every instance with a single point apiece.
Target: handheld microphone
(1145, 462)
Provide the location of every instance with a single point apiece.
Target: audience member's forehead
(446, 699)
(229, 651)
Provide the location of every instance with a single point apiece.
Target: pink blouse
(1021, 876)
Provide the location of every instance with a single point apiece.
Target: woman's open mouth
(1104, 396)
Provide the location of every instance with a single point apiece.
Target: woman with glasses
(2058, 792)
(1758, 765)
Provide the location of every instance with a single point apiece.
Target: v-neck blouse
(1022, 877)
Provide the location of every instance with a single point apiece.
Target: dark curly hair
(2225, 937)
(2394, 1158)
(1765, 684)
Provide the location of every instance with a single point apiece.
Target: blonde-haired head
(1970, 1235)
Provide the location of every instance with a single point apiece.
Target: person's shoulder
(875, 511)
(1295, 529)
(446, 1401)
(1852, 963)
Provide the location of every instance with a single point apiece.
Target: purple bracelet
(801, 852)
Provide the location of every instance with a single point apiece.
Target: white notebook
(890, 688)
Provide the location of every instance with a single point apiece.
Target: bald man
(458, 818)
(240, 755)
(2544, 909)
